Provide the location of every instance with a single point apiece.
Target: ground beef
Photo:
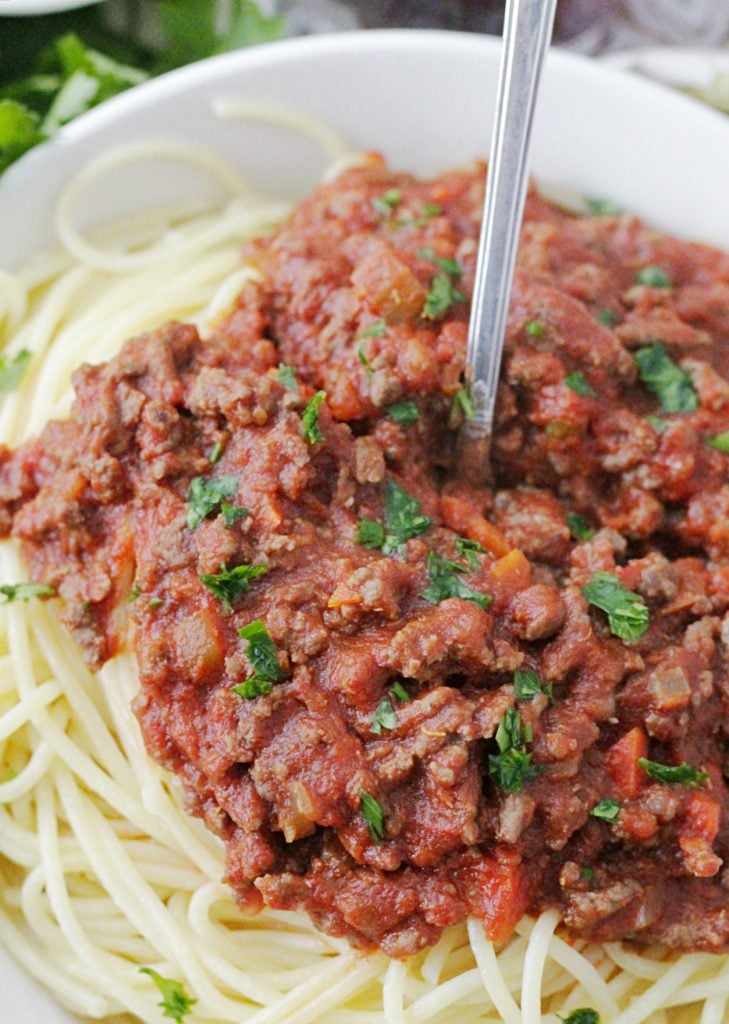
(424, 716)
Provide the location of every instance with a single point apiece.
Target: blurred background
(59, 58)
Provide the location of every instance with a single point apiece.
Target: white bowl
(423, 98)
(12, 7)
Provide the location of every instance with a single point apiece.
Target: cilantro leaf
(230, 584)
(24, 591)
(441, 296)
(579, 383)
(261, 653)
(720, 442)
(653, 277)
(669, 382)
(175, 1001)
(370, 534)
(310, 429)
(287, 376)
(606, 809)
(628, 616)
(511, 768)
(13, 370)
(399, 692)
(372, 814)
(405, 413)
(683, 774)
(446, 582)
(579, 527)
(206, 495)
(404, 518)
(384, 717)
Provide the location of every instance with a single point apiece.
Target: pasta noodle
(102, 872)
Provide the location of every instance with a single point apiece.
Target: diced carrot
(622, 763)
(461, 516)
(497, 892)
(344, 595)
(513, 569)
(702, 816)
(639, 823)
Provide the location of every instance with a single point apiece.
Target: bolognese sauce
(397, 699)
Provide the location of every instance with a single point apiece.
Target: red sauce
(387, 778)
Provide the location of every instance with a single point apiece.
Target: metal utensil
(527, 33)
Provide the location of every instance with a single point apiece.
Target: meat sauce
(442, 702)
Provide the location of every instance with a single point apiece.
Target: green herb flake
(628, 616)
(535, 329)
(527, 684)
(175, 1001)
(216, 453)
(469, 550)
(587, 873)
(372, 814)
(310, 429)
(431, 210)
(606, 809)
(24, 591)
(578, 382)
(230, 584)
(206, 495)
(584, 1015)
(511, 768)
(384, 717)
(154, 602)
(232, 513)
(287, 376)
(404, 413)
(657, 423)
(399, 692)
(13, 370)
(579, 527)
(441, 296)
(602, 208)
(720, 442)
(384, 204)
(653, 277)
(134, 593)
(446, 582)
(665, 379)
(370, 534)
(608, 317)
(375, 330)
(463, 402)
(261, 653)
(683, 774)
(452, 267)
(404, 517)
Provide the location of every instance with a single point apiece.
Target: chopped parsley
(386, 203)
(12, 370)
(404, 517)
(370, 534)
(579, 527)
(375, 330)
(447, 263)
(587, 873)
(602, 208)
(468, 550)
(216, 452)
(404, 413)
(669, 382)
(154, 602)
(232, 513)
(462, 401)
(535, 329)
(384, 717)
(230, 584)
(578, 382)
(607, 809)
(134, 593)
(365, 361)
(175, 1001)
(441, 296)
(399, 692)
(527, 684)
(584, 1015)
(287, 376)
(683, 774)
(206, 496)
(628, 616)
(512, 767)
(261, 653)
(720, 442)
(608, 317)
(24, 591)
(653, 277)
(310, 429)
(372, 814)
(657, 423)
(445, 581)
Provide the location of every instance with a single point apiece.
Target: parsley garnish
(134, 593)
(468, 550)
(229, 584)
(404, 518)
(370, 534)
(607, 809)
(585, 1015)
(602, 208)
(310, 430)
(720, 442)
(683, 774)
(535, 329)
(404, 413)
(12, 370)
(24, 591)
(668, 382)
(261, 653)
(446, 582)
(154, 602)
(462, 400)
(653, 277)
(375, 330)
(384, 717)
(579, 383)
(205, 497)
(175, 1001)
(527, 684)
(579, 527)
(587, 873)
(657, 423)
(372, 814)
(447, 263)
(287, 376)
(441, 296)
(399, 692)
(216, 452)
(232, 513)
(608, 317)
(628, 617)
(512, 767)
(386, 203)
